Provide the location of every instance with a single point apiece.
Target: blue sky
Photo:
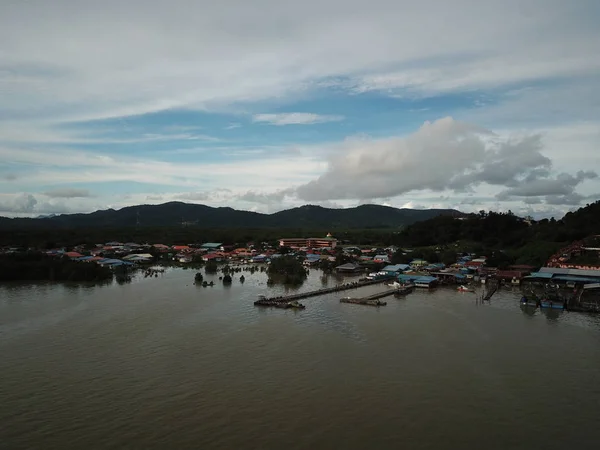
(269, 104)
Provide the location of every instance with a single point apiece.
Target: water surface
(160, 363)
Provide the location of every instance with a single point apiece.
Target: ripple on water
(160, 362)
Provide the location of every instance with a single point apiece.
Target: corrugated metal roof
(573, 278)
(395, 267)
(425, 279)
(211, 245)
(580, 272)
(545, 275)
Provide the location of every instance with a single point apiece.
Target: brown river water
(161, 363)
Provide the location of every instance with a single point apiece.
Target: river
(161, 363)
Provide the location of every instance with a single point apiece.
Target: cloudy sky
(268, 104)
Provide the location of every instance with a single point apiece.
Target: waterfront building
(349, 268)
(395, 269)
(327, 242)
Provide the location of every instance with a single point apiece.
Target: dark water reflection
(161, 362)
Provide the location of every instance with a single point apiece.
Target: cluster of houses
(566, 258)
(423, 273)
(315, 250)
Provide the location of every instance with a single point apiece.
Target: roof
(211, 245)
(425, 279)
(449, 274)
(395, 267)
(545, 275)
(576, 272)
(348, 266)
(381, 257)
(138, 258)
(112, 262)
(574, 278)
(474, 263)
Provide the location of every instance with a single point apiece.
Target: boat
(395, 284)
(296, 305)
(377, 275)
(463, 288)
(552, 304)
(528, 302)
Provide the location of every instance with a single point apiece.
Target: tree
(400, 258)
(288, 269)
(448, 257)
(211, 267)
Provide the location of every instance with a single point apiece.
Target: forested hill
(525, 241)
(177, 214)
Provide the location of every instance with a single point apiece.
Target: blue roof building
(395, 269)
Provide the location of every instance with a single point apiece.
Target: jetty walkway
(373, 299)
(324, 291)
(491, 290)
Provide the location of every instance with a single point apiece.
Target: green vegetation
(186, 215)
(211, 267)
(503, 237)
(287, 269)
(35, 266)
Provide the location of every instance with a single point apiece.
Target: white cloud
(121, 59)
(445, 155)
(296, 118)
(67, 166)
(118, 59)
(17, 203)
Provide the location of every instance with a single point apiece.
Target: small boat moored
(552, 304)
(528, 302)
(463, 288)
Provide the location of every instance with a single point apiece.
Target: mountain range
(187, 214)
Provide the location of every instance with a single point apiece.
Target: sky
(265, 105)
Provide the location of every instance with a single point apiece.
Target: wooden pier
(269, 301)
(363, 301)
(373, 299)
(491, 290)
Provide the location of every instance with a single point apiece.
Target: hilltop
(178, 213)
